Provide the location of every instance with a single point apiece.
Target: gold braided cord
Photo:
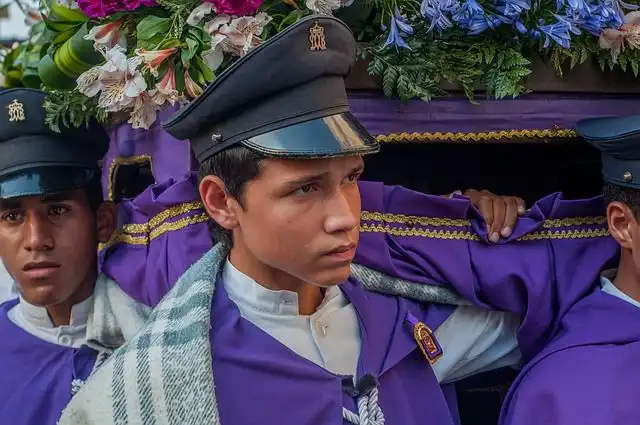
(165, 215)
(122, 237)
(575, 221)
(506, 135)
(411, 220)
(462, 235)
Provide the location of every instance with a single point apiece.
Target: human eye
(353, 177)
(11, 216)
(58, 210)
(306, 189)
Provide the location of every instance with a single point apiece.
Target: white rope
(369, 411)
(76, 383)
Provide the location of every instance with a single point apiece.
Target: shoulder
(565, 387)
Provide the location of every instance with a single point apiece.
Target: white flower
(199, 13)
(107, 35)
(235, 36)
(323, 7)
(628, 35)
(166, 89)
(144, 112)
(119, 81)
(154, 58)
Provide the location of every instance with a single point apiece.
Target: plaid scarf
(163, 375)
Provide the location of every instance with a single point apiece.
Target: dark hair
(626, 195)
(235, 166)
(93, 191)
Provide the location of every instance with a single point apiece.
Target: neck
(309, 296)
(628, 278)
(60, 314)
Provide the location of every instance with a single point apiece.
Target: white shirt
(8, 289)
(473, 340)
(35, 320)
(611, 289)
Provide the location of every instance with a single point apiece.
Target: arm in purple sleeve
(162, 232)
(553, 257)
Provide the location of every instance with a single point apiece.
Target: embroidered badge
(16, 111)
(425, 339)
(316, 38)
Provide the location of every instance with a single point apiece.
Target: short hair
(626, 195)
(93, 191)
(235, 166)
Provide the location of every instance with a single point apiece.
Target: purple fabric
(171, 158)
(539, 277)
(36, 375)
(588, 375)
(381, 115)
(148, 268)
(300, 392)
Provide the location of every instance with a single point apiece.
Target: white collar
(611, 289)
(39, 318)
(245, 291)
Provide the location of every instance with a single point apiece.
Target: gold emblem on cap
(16, 111)
(316, 37)
(627, 176)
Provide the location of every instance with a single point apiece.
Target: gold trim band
(488, 136)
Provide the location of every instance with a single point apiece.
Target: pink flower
(192, 88)
(154, 58)
(108, 35)
(236, 7)
(102, 8)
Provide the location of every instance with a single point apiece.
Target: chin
(42, 296)
(333, 277)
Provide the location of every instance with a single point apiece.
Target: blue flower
(512, 9)
(472, 17)
(579, 8)
(558, 32)
(399, 28)
(437, 11)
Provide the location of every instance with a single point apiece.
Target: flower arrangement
(110, 59)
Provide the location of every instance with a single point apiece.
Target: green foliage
(420, 72)
(71, 109)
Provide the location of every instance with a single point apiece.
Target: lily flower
(154, 58)
(192, 88)
(107, 35)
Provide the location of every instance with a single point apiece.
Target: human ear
(621, 220)
(106, 221)
(217, 202)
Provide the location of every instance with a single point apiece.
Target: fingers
(522, 207)
(497, 224)
(512, 212)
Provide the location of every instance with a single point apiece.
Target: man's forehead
(304, 166)
(33, 200)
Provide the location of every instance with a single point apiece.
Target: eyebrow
(317, 177)
(10, 204)
(58, 197)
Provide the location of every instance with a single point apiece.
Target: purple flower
(399, 28)
(437, 13)
(102, 8)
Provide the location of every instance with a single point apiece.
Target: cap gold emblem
(16, 111)
(316, 37)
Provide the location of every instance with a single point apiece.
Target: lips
(343, 252)
(40, 269)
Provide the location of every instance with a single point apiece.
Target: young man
(270, 325)
(588, 374)
(52, 218)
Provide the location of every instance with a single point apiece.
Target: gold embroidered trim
(575, 221)
(465, 235)
(122, 237)
(432, 234)
(552, 133)
(117, 162)
(411, 220)
(161, 217)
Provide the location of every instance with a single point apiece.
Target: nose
(343, 211)
(38, 233)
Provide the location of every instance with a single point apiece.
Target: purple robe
(301, 392)
(588, 374)
(552, 259)
(36, 375)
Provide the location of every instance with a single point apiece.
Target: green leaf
(389, 80)
(207, 72)
(152, 26)
(634, 67)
